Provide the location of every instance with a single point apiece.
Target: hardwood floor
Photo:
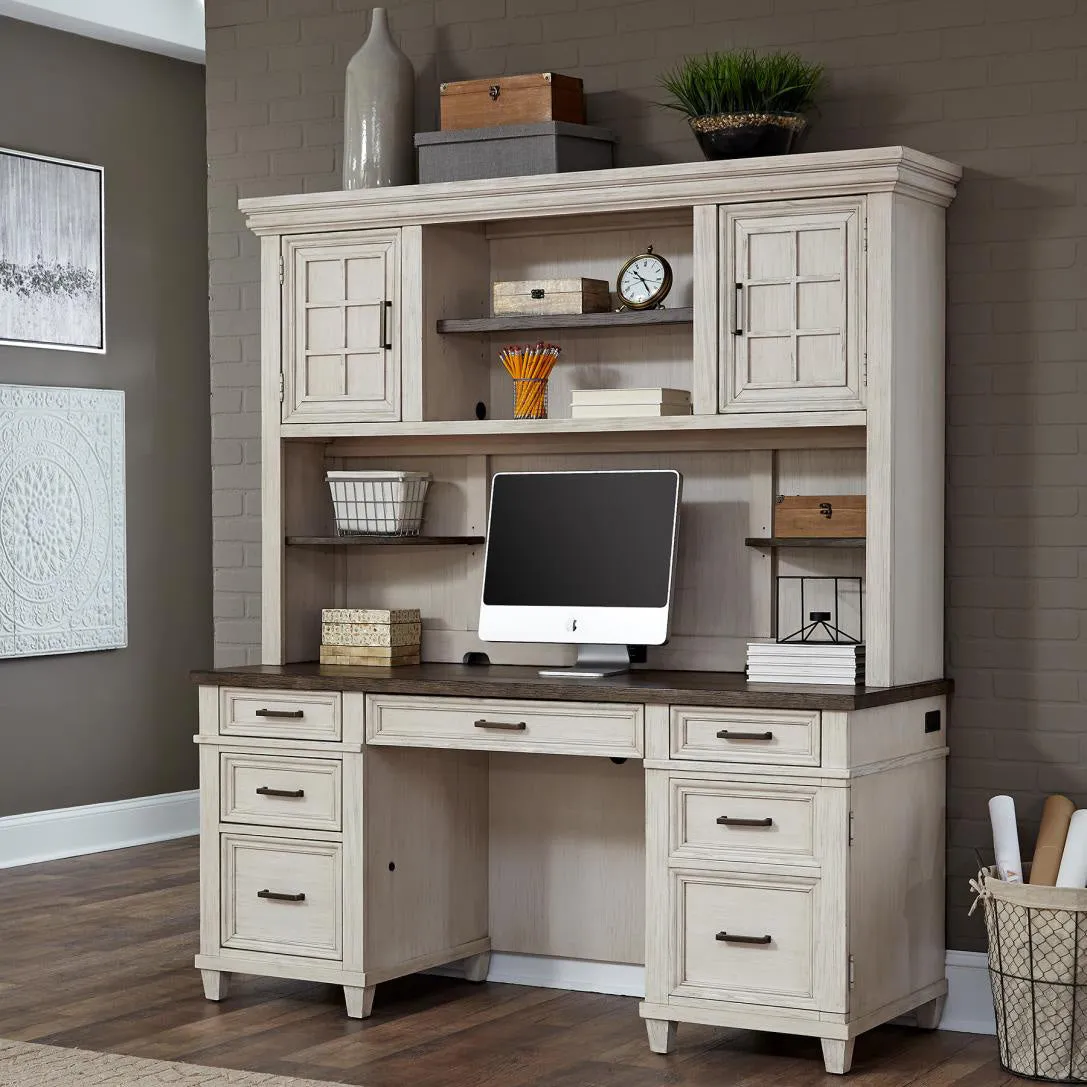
(96, 952)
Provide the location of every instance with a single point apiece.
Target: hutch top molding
(881, 169)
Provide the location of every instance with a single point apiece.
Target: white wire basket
(378, 503)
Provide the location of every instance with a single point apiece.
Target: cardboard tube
(1056, 815)
(1006, 839)
(1073, 870)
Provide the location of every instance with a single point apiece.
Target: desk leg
(928, 1015)
(216, 984)
(360, 1002)
(477, 966)
(662, 1034)
(837, 1055)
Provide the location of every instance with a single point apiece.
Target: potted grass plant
(739, 103)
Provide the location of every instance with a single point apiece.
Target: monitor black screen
(581, 539)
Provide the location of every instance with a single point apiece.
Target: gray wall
(997, 85)
(92, 727)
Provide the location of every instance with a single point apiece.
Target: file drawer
(555, 728)
(282, 896)
(746, 938)
(289, 715)
(272, 791)
(773, 737)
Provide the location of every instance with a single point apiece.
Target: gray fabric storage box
(550, 147)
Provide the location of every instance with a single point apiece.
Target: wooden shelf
(805, 541)
(384, 541)
(528, 322)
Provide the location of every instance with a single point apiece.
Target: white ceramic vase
(379, 112)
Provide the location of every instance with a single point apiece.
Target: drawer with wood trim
(554, 728)
(289, 715)
(282, 895)
(276, 791)
(710, 820)
(747, 938)
(774, 737)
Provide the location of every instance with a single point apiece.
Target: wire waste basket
(378, 503)
(1038, 971)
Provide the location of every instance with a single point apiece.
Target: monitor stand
(594, 662)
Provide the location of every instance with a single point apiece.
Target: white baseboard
(969, 1005)
(545, 972)
(95, 828)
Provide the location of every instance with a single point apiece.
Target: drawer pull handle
(732, 938)
(728, 734)
(502, 726)
(279, 896)
(290, 715)
(728, 821)
(293, 794)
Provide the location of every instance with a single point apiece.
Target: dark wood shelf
(527, 322)
(805, 541)
(384, 541)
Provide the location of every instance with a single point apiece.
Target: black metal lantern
(820, 610)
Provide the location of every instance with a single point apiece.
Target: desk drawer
(289, 715)
(773, 737)
(272, 791)
(555, 728)
(745, 937)
(761, 823)
(282, 896)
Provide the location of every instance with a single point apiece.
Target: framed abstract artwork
(62, 520)
(52, 253)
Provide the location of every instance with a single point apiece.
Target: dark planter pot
(747, 135)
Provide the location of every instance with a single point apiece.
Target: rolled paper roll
(1009, 863)
(1048, 849)
(1073, 870)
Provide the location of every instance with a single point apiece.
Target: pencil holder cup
(530, 398)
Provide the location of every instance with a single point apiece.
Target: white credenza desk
(791, 869)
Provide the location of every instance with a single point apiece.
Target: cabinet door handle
(738, 330)
(728, 734)
(280, 896)
(732, 938)
(384, 310)
(290, 715)
(502, 726)
(294, 794)
(728, 821)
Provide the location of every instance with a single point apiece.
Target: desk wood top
(647, 686)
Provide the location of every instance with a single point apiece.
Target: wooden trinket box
(814, 515)
(512, 100)
(550, 296)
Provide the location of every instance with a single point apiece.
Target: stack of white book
(620, 403)
(805, 662)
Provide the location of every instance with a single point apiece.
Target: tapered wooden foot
(662, 1034)
(476, 967)
(929, 1015)
(837, 1055)
(216, 984)
(360, 1002)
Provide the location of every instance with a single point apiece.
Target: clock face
(644, 281)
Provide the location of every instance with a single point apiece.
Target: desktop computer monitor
(586, 558)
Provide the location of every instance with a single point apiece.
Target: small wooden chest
(512, 100)
(814, 515)
(550, 296)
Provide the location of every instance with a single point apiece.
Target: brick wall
(997, 85)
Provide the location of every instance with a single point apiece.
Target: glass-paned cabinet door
(792, 305)
(341, 328)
